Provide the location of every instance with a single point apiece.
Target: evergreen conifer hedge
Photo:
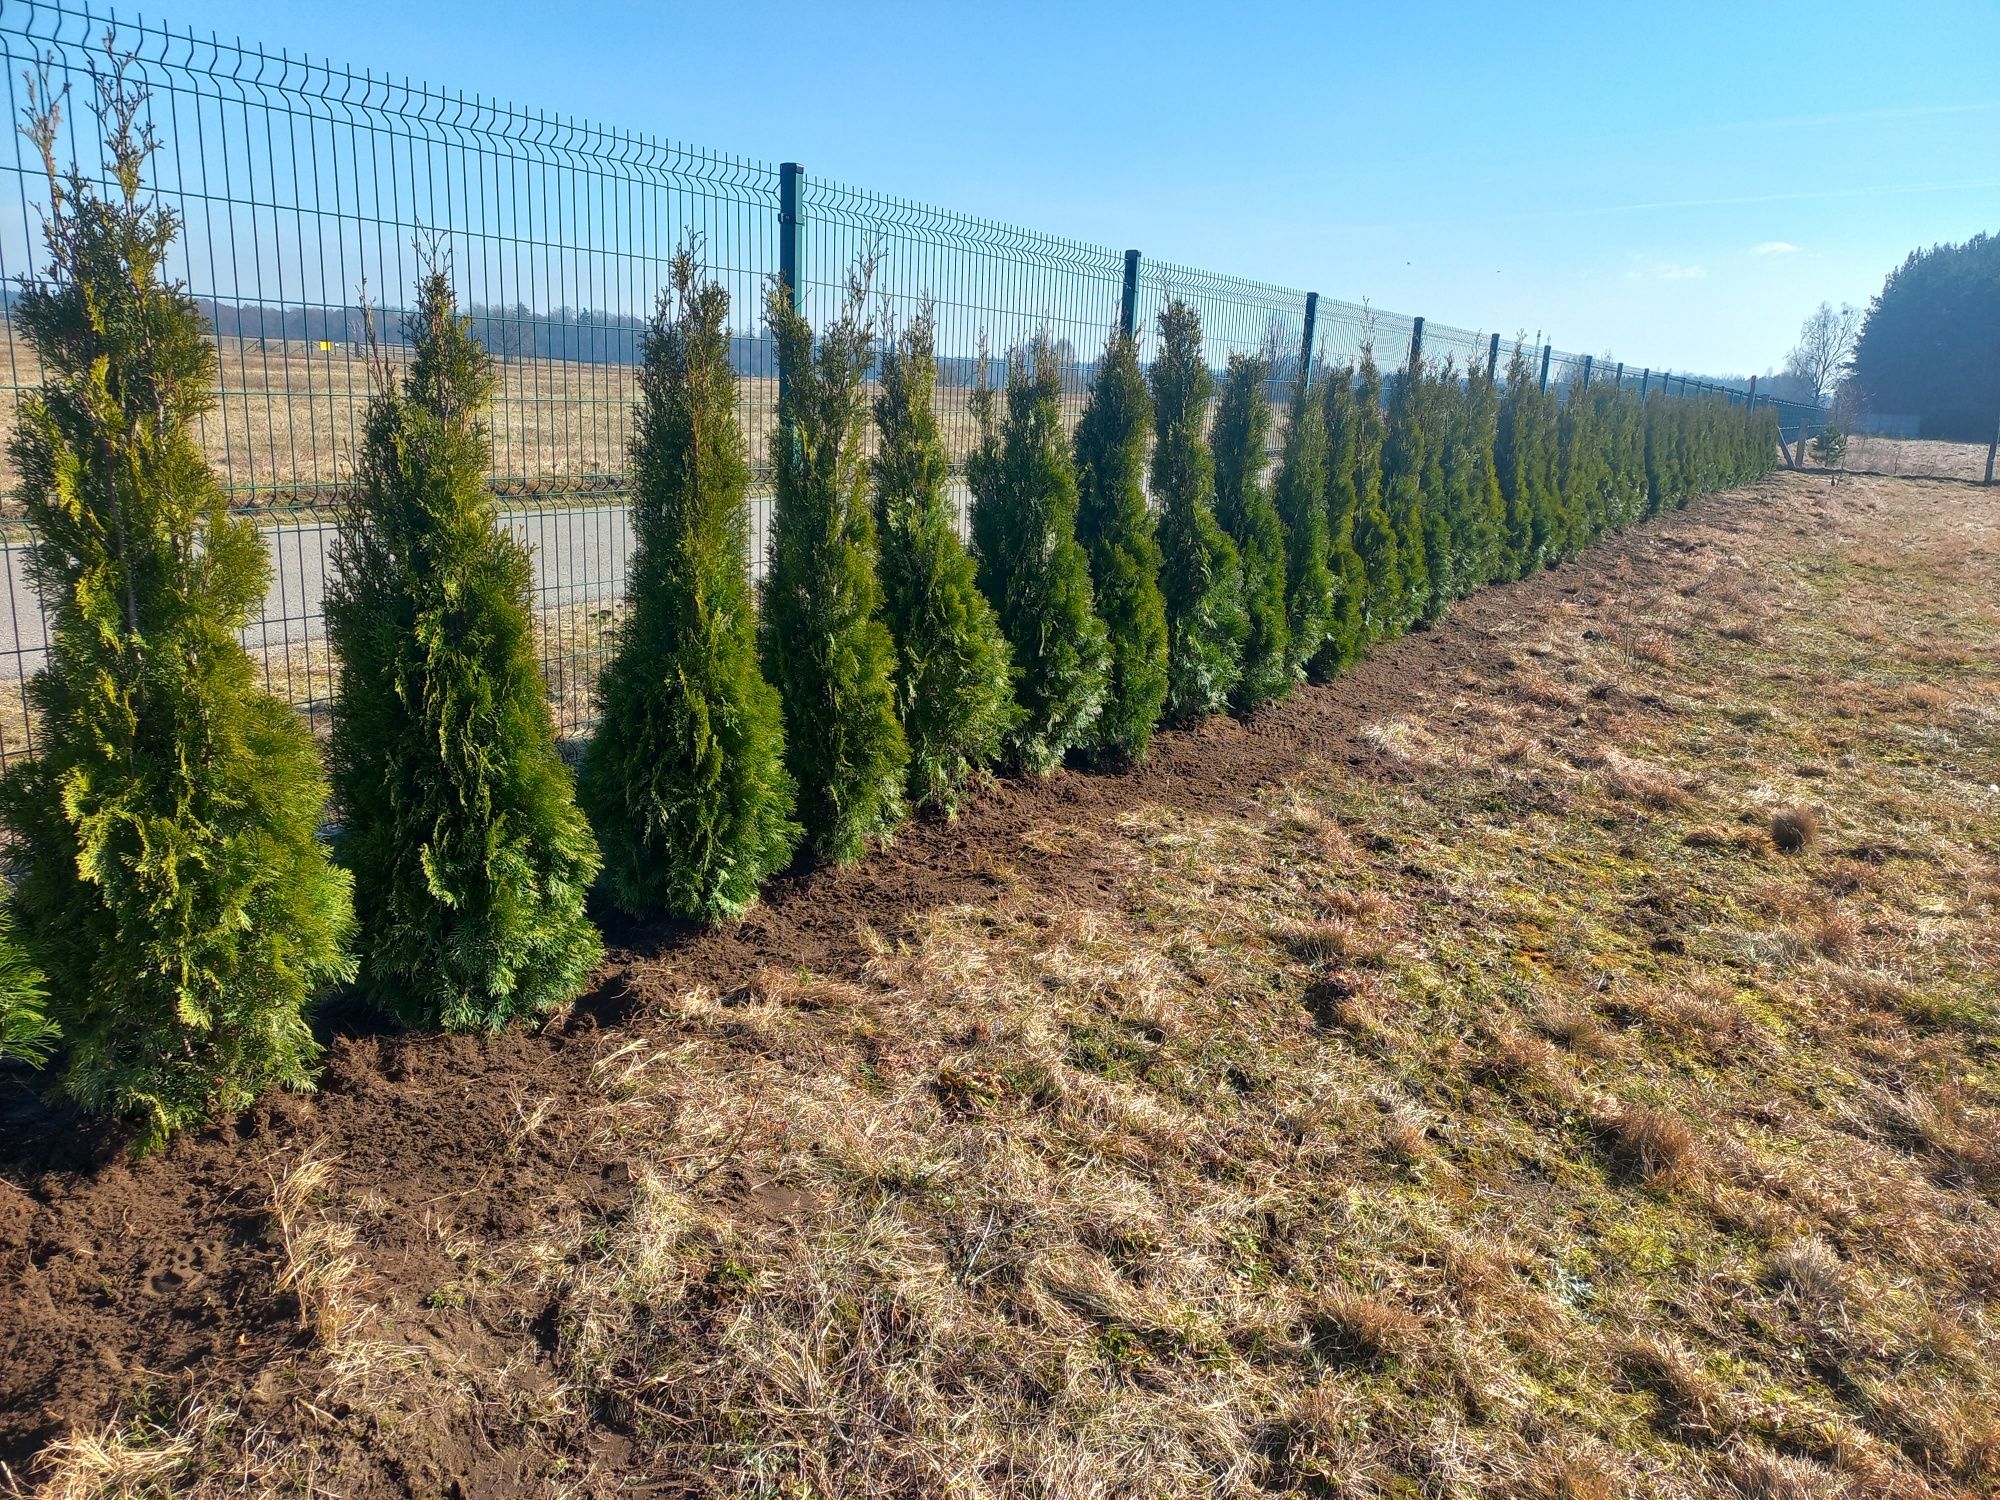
(1300, 496)
(1376, 540)
(1201, 576)
(1116, 528)
(172, 884)
(1031, 565)
(1406, 451)
(954, 670)
(823, 640)
(1244, 509)
(26, 1032)
(1347, 623)
(471, 860)
(685, 779)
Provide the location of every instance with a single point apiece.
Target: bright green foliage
(1666, 471)
(1829, 446)
(1521, 449)
(26, 1032)
(1438, 397)
(470, 858)
(1583, 471)
(1115, 527)
(1472, 482)
(1622, 419)
(173, 885)
(1031, 566)
(1300, 497)
(1244, 509)
(685, 779)
(1603, 458)
(1375, 540)
(1201, 575)
(1405, 453)
(1347, 623)
(954, 671)
(824, 642)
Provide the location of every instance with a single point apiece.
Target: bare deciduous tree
(1825, 346)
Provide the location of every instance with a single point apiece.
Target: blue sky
(1678, 184)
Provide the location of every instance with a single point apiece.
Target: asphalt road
(580, 558)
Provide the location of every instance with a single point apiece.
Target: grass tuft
(1794, 829)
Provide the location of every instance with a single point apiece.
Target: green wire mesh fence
(306, 190)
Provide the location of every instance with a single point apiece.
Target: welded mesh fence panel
(1238, 317)
(305, 189)
(1566, 370)
(1462, 350)
(993, 289)
(308, 191)
(1345, 329)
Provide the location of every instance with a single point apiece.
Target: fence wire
(307, 191)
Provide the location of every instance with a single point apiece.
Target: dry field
(1557, 1061)
(1920, 458)
(289, 416)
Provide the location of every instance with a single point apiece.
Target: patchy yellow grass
(1518, 1123)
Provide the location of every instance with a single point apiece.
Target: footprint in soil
(177, 1271)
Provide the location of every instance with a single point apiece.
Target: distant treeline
(1930, 347)
(572, 335)
(582, 335)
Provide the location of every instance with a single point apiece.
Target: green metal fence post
(1618, 380)
(1128, 297)
(1546, 350)
(1645, 382)
(1587, 361)
(1492, 357)
(789, 226)
(1306, 343)
(1415, 364)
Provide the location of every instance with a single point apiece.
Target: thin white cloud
(1775, 247)
(1664, 270)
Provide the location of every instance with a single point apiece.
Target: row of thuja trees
(174, 892)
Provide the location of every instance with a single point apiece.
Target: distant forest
(572, 335)
(1930, 345)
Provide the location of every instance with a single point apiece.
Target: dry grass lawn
(1497, 1111)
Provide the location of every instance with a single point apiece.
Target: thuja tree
(1115, 527)
(954, 673)
(1625, 453)
(1405, 451)
(1439, 395)
(1375, 537)
(1201, 576)
(470, 857)
(1665, 478)
(26, 1032)
(1472, 482)
(173, 884)
(823, 639)
(1346, 631)
(1244, 509)
(1522, 460)
(685, 779)
(1633, 457)
(1581, 473)
(1300, 497)
(1024, 505)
